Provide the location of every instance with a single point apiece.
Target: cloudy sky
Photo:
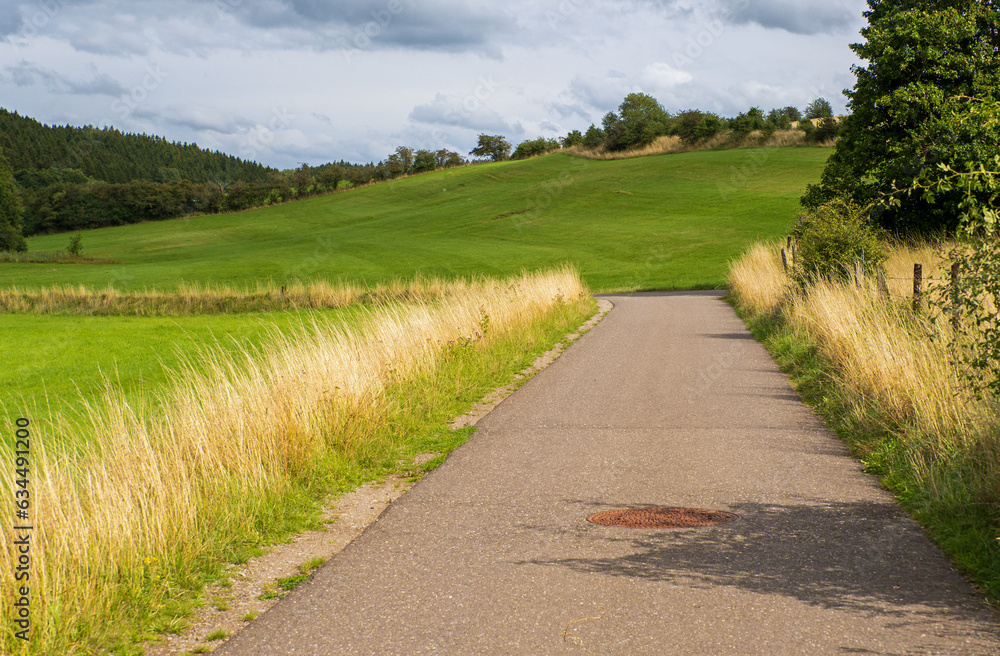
(292, 81)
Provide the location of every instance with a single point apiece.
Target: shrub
(534, 147)
(75, 244)
(832, 238)
(970, 302)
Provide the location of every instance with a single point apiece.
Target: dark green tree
(747, 122)
(573, 138)
(594, 137)
(493, 146)
(923, 61)
(445, 158)
(534, 147)
(11, 237)
(694, 126)
(424, 161)
(793, 113)
(819, 108)
(640, 120)
(777, 119)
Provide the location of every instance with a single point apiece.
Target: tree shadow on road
(860, 557)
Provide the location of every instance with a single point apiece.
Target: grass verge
(152, 499)
(877, 375)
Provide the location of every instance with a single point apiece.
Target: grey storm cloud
(195, 118)
(794, 16)
(467, 112)
(27, 74)
(422, 25)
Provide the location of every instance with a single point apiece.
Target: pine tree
(926, 60)
(11, 238)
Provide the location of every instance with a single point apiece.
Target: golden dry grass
(125, 498)
(898, 377)
(673, 144)
(210, 299)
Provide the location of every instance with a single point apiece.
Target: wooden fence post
(857, 273)
(956, 295)
(883, 289)
(784, 259)
(918, 286)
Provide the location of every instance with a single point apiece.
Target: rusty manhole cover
(662, 517)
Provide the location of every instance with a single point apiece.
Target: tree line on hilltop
(641, 120)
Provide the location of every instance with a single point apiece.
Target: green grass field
(658, 222)
(55, 361)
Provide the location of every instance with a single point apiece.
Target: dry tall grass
(673, 144)
(194, 299)
(126, 498)
(898, 379)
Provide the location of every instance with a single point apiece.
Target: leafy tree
(747, 122)
(424, 161)
(693, 126)
(330, 175)
(400, 162)
(827, 129)
(302, 180)
(594, 137)
(448, 158)
(11, 237)
(792, 113)
(778, 119)
(574, 138)
(493, 146)
(923, 61)
(640, 120)
(534, 147)
(832, 238)
(819, 108)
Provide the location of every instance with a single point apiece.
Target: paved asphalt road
(667, 402)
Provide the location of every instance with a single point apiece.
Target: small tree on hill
(640, 120)
(819, 108)
(493, 146)
(574, 138)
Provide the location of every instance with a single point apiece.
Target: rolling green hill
(658, 222)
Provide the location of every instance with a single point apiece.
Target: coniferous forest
(72, 178)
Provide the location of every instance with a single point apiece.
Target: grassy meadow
(657, 222)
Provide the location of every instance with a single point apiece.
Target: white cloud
(659, 76)
(357, 79)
